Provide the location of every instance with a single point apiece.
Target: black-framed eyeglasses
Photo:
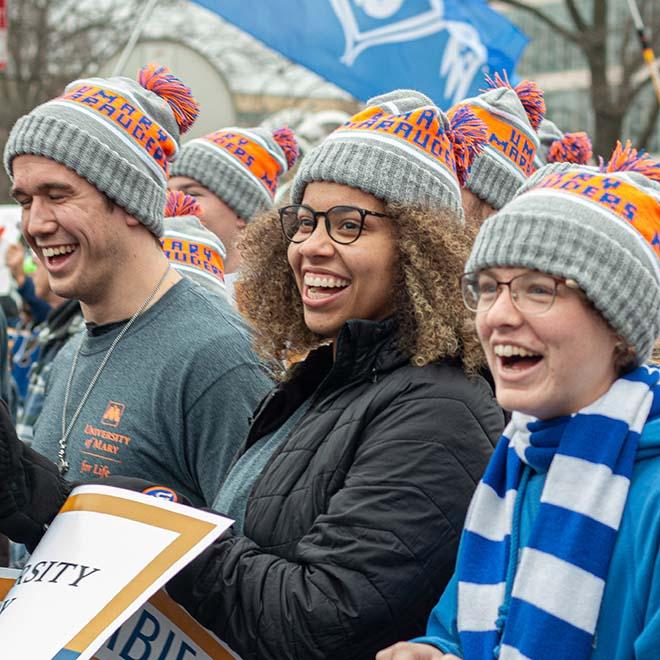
(344, 224)
(532, 293)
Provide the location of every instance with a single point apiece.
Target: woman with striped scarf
(559, 556)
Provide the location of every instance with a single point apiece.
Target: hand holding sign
(106, 552)
(25, 476)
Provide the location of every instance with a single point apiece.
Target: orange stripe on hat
(185, 252)
(505, 138)
(251, 155)
(128, 118)
(421, 129)
(614, 194)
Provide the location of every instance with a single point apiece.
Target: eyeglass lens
(532, 293)
(344, 223)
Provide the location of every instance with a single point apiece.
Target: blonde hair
(432, 321)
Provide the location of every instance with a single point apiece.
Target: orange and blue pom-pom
(625, 158)
(529, 93)
(161, 81)
(572, 148)
(179, 204)
(286, 138)
(467, 134)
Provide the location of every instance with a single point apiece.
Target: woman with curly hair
(351, 489)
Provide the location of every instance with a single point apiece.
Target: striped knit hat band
(400, 148)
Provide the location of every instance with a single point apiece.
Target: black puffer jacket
(352, 527)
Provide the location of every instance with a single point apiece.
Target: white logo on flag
(464, 53)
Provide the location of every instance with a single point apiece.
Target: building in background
(562, 72)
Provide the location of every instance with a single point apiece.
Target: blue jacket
(629, 621)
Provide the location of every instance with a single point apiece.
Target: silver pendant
(62, 466)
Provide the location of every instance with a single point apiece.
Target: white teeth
(327, 282)
(58, 250)
(507, 350)
(314, 294)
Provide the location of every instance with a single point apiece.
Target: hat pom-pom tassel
(625, 158)
(179, 204)
(286, 138)
(467, 134)
(159, 80)
(572, 148)
(529, 93)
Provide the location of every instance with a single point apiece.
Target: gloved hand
(32, 490)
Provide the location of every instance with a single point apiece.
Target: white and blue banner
(443, 48)
(108, 551)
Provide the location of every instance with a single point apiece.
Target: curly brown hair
(433, 322)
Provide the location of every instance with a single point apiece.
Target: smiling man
(144, 391)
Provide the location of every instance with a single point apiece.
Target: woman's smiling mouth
(322, 287)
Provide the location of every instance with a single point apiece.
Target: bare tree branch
(615, 68)
(579, 22)
(573, 37)
(51, 42)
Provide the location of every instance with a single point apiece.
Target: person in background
(512, 116)
(190, 247)
(37, 344)
(559, 555)
(64, 320)
(352, 485)
(233, 173)
(34, 290)
(38, 302)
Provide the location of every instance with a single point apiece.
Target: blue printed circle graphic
(163, 492)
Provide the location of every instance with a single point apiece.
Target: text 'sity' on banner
(159, 630)
(104, 555)
(443, 48)
(4, 53)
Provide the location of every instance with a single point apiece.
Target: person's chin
(328, 328)
(66, 287)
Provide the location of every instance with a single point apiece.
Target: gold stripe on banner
(5, 585)
(187, 624)
(191, 531)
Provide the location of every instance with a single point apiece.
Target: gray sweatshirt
(173, 403)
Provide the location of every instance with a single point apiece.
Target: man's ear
(128, 219)
(240, 223)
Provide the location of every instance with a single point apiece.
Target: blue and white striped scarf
(554, 599)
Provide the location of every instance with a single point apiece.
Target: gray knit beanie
(400, 148)
(512, 115)
(118, 134)
(599, 227)
(241, 166)
(558, 147)
(190, 247)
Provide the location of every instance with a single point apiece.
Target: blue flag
(443, 48)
